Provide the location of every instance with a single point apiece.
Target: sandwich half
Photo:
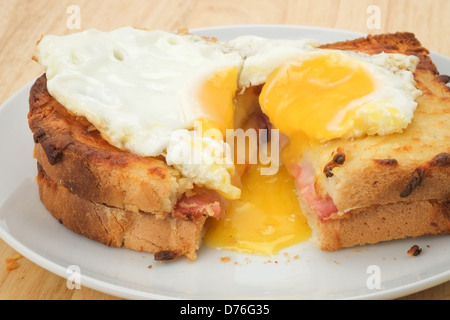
(383, 187)
(112, 196)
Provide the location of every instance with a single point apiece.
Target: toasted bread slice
(167, 238)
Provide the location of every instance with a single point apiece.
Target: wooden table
(23, 21)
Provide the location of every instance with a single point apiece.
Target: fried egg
(334, 94)
(323, 95)
(143, 90)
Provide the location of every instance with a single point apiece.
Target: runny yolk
(217, 95)
(308, 102)
(318, 96)
(266, 219)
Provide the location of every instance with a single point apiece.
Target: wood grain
(22, 22)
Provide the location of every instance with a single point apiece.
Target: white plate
(299, 272)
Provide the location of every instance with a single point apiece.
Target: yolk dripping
(315, 96)
(307, 102)
(266, 219)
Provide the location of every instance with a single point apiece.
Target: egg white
(263, 55)
(135, 86)
(395, 91)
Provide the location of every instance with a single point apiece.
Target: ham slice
(304, 177)
(201, 203)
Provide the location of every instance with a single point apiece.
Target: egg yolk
(316, 96)
(292, 153)
(216, 96)
(266, 219)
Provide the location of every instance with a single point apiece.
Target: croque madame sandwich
(120, 122)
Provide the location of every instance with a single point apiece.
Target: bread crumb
(12, 265)
(225, 259)
(11, 262)
(150, 266)
(415, 250)
(13, 258)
